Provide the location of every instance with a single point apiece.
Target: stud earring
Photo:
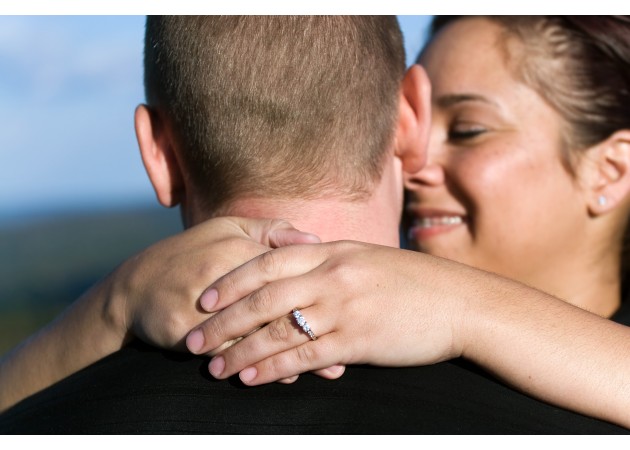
(601, 200)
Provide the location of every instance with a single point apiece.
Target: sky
(68, 88)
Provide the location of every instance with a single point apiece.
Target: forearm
(84, 333)
(152, 296)
(410, 308)
(549, 349)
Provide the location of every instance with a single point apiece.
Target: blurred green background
(47, 262)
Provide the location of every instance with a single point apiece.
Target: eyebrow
(444, 101)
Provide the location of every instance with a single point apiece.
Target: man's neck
(374, 219)
(331, 220)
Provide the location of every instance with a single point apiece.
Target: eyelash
(470, 133)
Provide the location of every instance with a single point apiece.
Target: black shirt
(143, 390)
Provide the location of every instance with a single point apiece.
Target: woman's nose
(431, 175)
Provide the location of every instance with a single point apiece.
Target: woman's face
(495, 193)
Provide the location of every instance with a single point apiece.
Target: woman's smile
(426, 223)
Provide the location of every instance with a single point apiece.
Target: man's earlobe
(158, 157)
(414, 119)
(608, 176)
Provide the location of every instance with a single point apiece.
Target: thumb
(276, 232)
(290, 236)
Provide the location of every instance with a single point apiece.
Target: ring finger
(277, 336)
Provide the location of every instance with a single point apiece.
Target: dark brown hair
(277, 106)
(579, 64)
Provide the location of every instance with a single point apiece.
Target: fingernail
(289, 380)
(248, 374)
(336, 370)
(216, 366)
(209, 299)
(195, 341)
(311, 238)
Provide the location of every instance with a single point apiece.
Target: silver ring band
(301, 321)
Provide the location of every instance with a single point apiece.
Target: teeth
(427, 222)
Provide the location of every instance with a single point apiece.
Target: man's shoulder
(144, 390)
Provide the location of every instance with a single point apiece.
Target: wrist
(473, 313)
(111, 294)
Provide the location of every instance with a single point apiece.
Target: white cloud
(69, 86)
(48, 56)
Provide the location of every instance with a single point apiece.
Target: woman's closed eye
(462, 132)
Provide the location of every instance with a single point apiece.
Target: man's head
(279, 107)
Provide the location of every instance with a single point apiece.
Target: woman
(439, 329)
(528, 176)
(510, 163)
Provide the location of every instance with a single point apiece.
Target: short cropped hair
(277, 106)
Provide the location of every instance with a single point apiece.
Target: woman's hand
(391, 307)
(365, 304)
(155, 295)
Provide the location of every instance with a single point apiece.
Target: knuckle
(278, 365)
(227, 286)
(214, 332)
(208, 271)
(306, 355)
(260, 301)
(234, 243)
(269, 263)
(240, 246)
(344, 274)
(232, 253)
(174, 327)
(279, 331)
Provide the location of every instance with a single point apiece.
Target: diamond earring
(601, 200)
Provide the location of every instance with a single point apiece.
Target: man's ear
(414, 119)
(158, 157)
(607, 173)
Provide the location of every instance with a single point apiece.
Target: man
(311, 119)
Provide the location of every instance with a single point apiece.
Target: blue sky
(69, 86)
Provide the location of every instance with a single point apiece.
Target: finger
(276, 337)
(289, 380)
(270, 266)
(284, 237)
(313, 355)
(275, 232)
(272, 301)
(332, 372)
(329, 373)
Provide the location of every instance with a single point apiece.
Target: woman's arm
(391, 307)
(153, 296)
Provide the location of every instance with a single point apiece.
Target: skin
(134, 300)
(494, 161)
(543, 339)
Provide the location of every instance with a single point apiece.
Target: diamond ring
(301, 321)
